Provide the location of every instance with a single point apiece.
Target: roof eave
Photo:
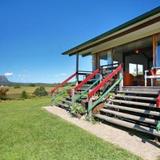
(74, 50)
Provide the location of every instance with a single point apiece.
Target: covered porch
(139, 58)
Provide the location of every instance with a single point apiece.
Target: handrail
(109, 65)
(84, 92)
(89, 77)
(104, 95)
(104, 81)
(64, 82)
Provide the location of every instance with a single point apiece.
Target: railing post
(121, 83)
(145, 77)
(90, 102)
(73, 94)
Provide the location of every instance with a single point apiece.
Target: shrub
(40, 91)
(17, 86)
(24, 95)
(90, 118)
(3, 92)
(61, 95)
(32, 85)
(77, 109)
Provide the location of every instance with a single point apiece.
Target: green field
(15, 93)
(27, 132)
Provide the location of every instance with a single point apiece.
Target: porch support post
(109, 57)
(95, 61)
(121, 83)
(77, 66)
(154, 45)
(123, 61)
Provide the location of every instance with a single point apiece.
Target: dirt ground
(148, 150)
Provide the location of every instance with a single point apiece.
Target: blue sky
(34, 33)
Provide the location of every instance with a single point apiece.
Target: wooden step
(128, 125)
(139, 92)
(69, 98)
(135, 110)
(135, 97)
(63, 105)
(132, 103)
(144, 88)
(129, 116)
(67, 102)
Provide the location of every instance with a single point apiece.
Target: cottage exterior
(125, 62)
(135, 43)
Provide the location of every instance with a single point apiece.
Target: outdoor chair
(152, 74)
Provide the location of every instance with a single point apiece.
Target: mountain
(4, 80)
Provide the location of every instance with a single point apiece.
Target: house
(128, 58)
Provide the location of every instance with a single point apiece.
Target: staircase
(134, 108)
(80, 89)
(66, 103)
(79, 97)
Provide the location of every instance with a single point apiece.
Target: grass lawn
(29, 133)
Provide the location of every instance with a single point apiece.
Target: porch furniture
(128, 79)
(152, 74)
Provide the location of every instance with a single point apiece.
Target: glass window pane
(140, 69)
(133, 69)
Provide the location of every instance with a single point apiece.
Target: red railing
(104, 81)
(64, 82)
(89, 77)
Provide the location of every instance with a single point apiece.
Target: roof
(76, 49)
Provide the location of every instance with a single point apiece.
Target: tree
(3, 92)
(40, 91)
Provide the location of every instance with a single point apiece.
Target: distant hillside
(4, 80)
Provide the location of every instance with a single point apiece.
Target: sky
(34, 33)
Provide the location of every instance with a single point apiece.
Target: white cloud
(8, 74)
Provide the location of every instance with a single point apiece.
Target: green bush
(77, 109)
(90, 118)
(24, 95)
(61, 95)
(40, 91)
(3, 92)
(17, 86)
(32, 85)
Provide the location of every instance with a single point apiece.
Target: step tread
(130, 116)
(136, 110)
(128, 125)
(132, 102)
(139, 92)
(152, 88)
(67, 101)
(63, 104)
(135, 97)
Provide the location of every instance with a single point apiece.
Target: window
(135, 69)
